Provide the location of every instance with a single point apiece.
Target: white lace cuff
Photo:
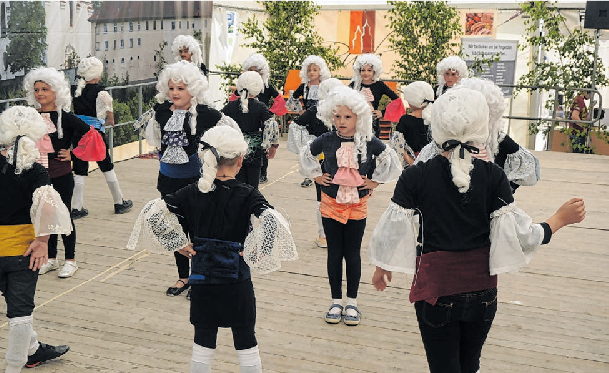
(398, 144)
(522, 168)
(269, 243)
(103, 103)
(428, 152)
(225, 120)
(153, 133)
(48, 213)
(270, 135)
(143, 120)
(393, 243)
(309, 165)
(157, 230)
(388, 167)
(514, 239)
(298, 136)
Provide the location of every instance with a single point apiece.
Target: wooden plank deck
(553, 316)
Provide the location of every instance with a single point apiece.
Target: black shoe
(77, 214)
(306, 183)
(44, 353)
(175, 291)
(122, 208)
(263, 179)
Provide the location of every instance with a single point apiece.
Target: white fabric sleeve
(397, 143)
(143, 120)
(269, 243)
(225, 120)
(157, 230)
(270, 135)
(393, 243)
(48, 213)
(153, 133)
(514, 239)
(298, 136)
(388, 167)
(428, 152)
(522, 168)
(103, 103)
(309, 165)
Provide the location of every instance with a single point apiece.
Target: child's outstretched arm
(571, 212)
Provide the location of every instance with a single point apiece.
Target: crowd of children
(455, 167)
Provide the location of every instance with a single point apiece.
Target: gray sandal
(334, 318)
(352, 320)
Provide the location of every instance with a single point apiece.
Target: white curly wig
(453, 63)
(459, 114)
(260, 63)
(196, 84)
(418, 94)
(345, 96)
(324, 73)
(327, 86)
(193, 47)
(496, 107)
(59, 84)
(249, 84)
(367, 59)
(88, 69)
(228, 144)
(26, 122)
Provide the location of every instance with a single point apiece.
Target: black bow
(451, 144)
(15, 150)
(210, 147)
(428, 101)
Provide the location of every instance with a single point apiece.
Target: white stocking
(19, 335)
(201, 359)
(115, 189)
(249, 360)
(79, 192)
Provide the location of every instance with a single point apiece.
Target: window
(154, 24)
(180, 25)
(139, 27)
(3, 22)
(154, 58)
(96, 45)
(161, 24)
(139, 42)
(130, 26)
(187, 23)
(173, 25)
(123, 60)
(115, 27)
(147, 26)
(106, 45)
(122, 44)
(122, 27)
(131, 43)
(131, 59)
(105, 28)
(114, 44)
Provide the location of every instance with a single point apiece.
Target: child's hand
(571, 212)
(270, 152)
(368, 184)
(324, 180)
(188, 251)
(378, 278)
(64, 155)
(377, 114)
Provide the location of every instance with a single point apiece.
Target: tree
(422, 34)
(27, 34)
(160, 58)
(288, 37)
(572, 68)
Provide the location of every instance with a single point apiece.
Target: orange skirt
(342, 212)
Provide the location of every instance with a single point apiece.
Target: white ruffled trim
(398, 144)
(157, 230)
(48, 213)
(225, 120)
(514, 239)
(103, 104)
(388, 167)
(269, 243)
(270, 135)
(309, 165)
(522, 168)
(428, 152)
(393, 243)
(298, 137)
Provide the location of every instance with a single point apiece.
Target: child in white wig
(450, 71)
(411, 134)
(257, 123)
(355, 162)
(187, 48)
(367, 70)
(306, 128)
(216, 215)
(48, 91)
(181, 116)
(93, 104)
(31, 211)
(471, 232)
(519, 164)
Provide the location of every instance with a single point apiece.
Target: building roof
(120, 11)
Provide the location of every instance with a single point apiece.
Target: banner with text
(501, 72)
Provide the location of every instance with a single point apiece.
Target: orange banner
(361, 31)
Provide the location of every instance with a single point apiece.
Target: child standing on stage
(313, 71)
(216, 215)
(48, 91)
(355, 162)
(186, 48)
(181, 116)
(257, 124)
(450, 72)
(471, 231)
(367, 70)
(93, 104)
(411, 134)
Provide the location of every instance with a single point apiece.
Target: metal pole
(139, 111)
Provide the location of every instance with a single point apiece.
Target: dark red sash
(442, 273)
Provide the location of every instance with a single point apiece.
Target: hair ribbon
(451, 144)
